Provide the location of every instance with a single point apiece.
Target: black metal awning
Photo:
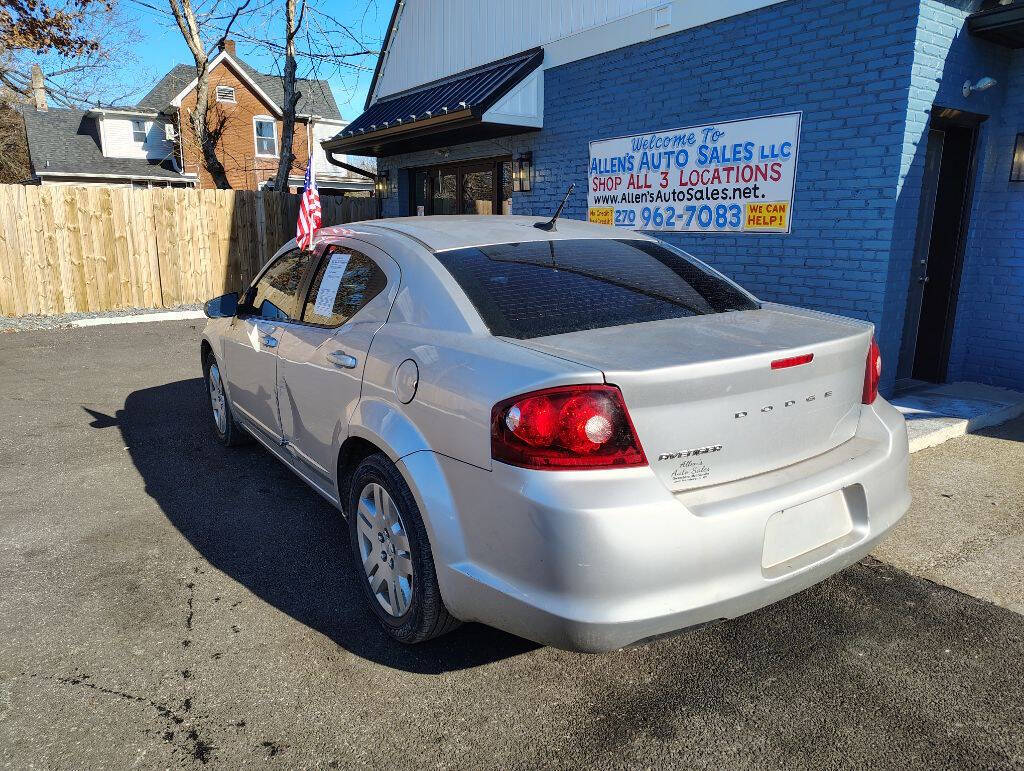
(443, 112)
(1002, 24)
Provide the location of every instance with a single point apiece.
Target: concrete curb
(940, 413)
(141, 318)
(962, 427)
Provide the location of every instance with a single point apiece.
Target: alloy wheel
(217, 401)
(384, 549)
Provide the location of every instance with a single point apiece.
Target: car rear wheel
(225, 428)
(391, 554)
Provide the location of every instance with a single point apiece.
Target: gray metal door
(922, 246)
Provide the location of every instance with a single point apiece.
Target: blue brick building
(903, 210)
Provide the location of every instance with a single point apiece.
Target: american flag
(309, 211)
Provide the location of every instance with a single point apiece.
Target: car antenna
(550, 224)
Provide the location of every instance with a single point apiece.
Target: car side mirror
(222, 307)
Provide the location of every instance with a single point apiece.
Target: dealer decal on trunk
(693, 468)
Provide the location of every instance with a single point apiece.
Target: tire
(387, 539)
(227, 430)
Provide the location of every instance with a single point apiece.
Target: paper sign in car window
(324, 305)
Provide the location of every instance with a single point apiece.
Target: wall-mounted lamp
(382, 186)
(983, 84)
(522, 173)
(1017, 165)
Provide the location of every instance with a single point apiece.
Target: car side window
(275, 295)
(345, 281)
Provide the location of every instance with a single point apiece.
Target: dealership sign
(729, 177)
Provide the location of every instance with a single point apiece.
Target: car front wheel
(225, 428)
(392, 555)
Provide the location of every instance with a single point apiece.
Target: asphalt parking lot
(167, 603)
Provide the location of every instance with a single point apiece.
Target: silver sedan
(582, 436)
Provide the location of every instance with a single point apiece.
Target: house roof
(168, 87)
(316, 99)
(65, 141)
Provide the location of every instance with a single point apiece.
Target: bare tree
(206, 136)
(35, 26)
(77, 43)
(324, 45)
(315, 40)
(291, 96)
(14, 166)
(80, 46)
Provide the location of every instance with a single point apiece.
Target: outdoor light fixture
(522, 173)
(382, 187)
(983, 84)
(1017, 165)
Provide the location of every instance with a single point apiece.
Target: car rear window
(551, 287)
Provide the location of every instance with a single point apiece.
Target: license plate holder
(800, 529)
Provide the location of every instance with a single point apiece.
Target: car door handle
(269, 341)
(343, 360)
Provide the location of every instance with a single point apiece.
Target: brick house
(878, 144)
(153, 142)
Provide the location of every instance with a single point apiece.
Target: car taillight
(872, 373)
(570, 427)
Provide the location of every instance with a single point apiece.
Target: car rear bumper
(594, 561)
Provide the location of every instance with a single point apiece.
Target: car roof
(442, 232)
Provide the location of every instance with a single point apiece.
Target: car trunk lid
(705, 400)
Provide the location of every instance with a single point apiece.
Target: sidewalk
(140, 318)
(35, 323)
(938, 413)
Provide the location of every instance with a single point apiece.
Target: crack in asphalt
(196, 746)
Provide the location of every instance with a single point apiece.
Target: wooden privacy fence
(65, 249)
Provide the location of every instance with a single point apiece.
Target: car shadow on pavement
(254, 520)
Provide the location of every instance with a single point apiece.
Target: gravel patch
(34, 323)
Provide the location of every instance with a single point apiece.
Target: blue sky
(160, 47)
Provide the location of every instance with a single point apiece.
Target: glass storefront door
(474, 187)
(419, 193)
(478, 190)
(444, 195)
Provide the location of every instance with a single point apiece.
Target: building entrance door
(938, 252)
(473, 187)
(478, 189)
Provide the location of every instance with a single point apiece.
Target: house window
(226, 94)
(139, 131)
(266, 136)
